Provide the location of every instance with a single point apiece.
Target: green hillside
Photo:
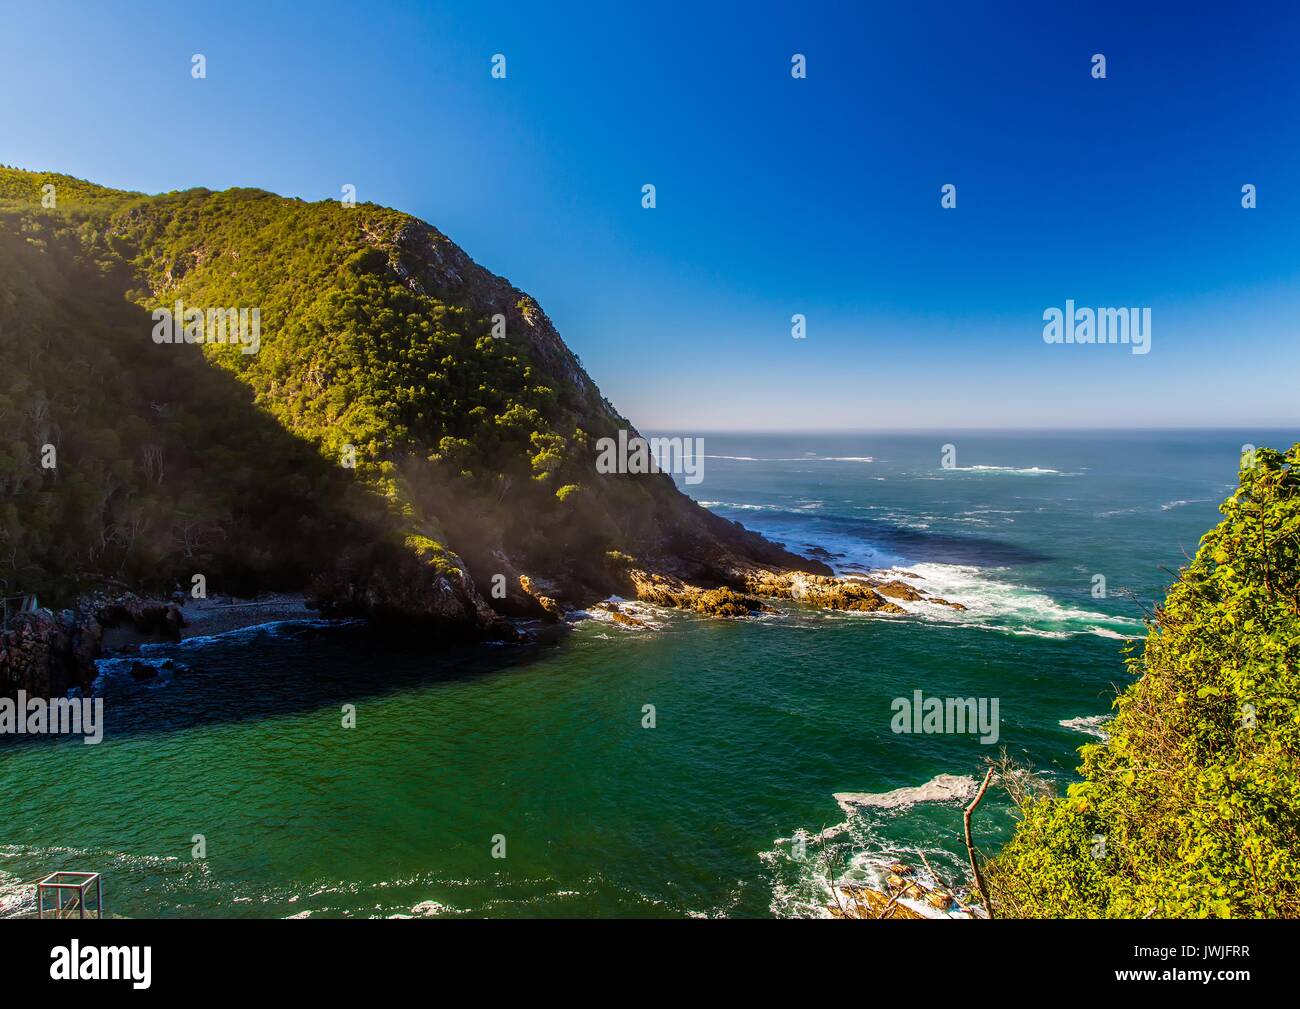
(409, 428)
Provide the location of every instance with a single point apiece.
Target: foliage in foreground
(1192, 806)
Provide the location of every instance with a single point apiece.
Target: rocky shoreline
(860, 593)
(902, 896)
(47, 653)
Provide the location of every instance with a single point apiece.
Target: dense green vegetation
(161, 467)
(382, 417)
(1192, 806)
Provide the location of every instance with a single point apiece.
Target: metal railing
(80, 882)
(11, 606)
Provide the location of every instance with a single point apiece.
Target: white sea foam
(800, 505)
(1090, 724)
(738, 506)
(940, 788)
(1000, 605)
(120, 668)
(649, 617)
(1166, 506)
(800, 873)
(1012, 470)
(70, 853)
(17, 896)
(802, 458)
(800, 888)
(274, 628)
(1106, 632)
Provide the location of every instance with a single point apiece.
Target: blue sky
(775, 196)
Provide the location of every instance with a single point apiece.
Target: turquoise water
(758, 723)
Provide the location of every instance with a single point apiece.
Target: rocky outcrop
(537, 593)
(901, 895)
(48, 653)
(823, 592)
(125, 619)
(856, 900)
(45, 654)
(390, 584)
(899, 590)
(426, 259)
(618, 616)
(747, 585)
(668, 590)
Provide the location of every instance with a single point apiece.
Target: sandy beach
(221, 613)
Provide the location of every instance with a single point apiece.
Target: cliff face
(384, 424)
(44, 654)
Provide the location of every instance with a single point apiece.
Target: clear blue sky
(775, 195)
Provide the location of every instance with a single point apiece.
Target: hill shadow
(280, 670)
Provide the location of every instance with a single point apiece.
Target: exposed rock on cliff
(44, 654)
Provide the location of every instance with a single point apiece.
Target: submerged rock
(618, 616)
(142, 671)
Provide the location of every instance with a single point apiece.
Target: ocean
(541, 753)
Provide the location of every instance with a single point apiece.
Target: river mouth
(309, 768)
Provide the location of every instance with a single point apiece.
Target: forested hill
(409, 427)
